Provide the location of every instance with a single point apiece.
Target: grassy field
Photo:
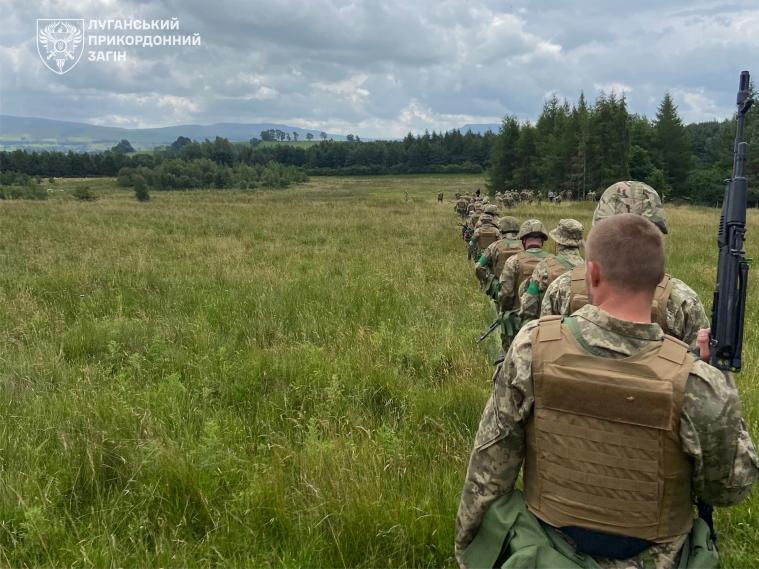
(237, 378)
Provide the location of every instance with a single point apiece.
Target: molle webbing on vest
(486, 236)
(557, 266)
(578, 289)
(506, 248)
(603, 445)
(528, 260)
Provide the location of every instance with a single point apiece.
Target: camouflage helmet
(491, 209)
(631, 197)
(568, 233)
(508, 224)
(532, 226)
(486, 219)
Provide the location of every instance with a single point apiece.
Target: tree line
(586, 147)
(452, 151)
(176, 174)
(579, 147)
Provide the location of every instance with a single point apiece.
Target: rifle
(729, 302)
(466, 232)
(490, 330)
(509, 320)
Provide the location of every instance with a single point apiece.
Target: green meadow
(249, 378)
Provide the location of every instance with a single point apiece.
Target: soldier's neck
(625, 306)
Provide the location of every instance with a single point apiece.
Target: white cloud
(697, 106)
(381, 68)
(350, 89)
(614, 87)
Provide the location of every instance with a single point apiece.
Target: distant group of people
(510, 198)
(602, 397)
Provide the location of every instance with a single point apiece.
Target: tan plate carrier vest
(579, 296)
(603, 441)
(528, 260)
(486, 235)
(557, 266)
(506, 248)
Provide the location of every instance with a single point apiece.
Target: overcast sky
(382, 68)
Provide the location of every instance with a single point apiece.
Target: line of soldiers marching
(526, 281)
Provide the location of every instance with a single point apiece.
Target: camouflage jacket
(685, 313)
(508, 296)
(530, 299)
(485, 268)
(713, 433)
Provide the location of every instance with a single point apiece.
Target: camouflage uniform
(712, 430)
(461, 207)
(489, 218)
(508, 296)
(485, 270)
(685, 312)
(568, 238)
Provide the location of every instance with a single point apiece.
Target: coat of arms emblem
(60, 43)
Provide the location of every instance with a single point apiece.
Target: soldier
(475, 214)
(508, 199)
(485, 233)
(440, 197)
(676, 307)
(499, 200)
(471, 223)
(516, 271)
(492, 259)
(568, 239)
(461, 207)
(609, 477)
(591, 196)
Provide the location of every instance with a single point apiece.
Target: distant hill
(47, 134)
(480, 128)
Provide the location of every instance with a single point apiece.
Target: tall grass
(237, 378)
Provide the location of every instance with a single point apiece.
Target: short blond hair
(629, 251)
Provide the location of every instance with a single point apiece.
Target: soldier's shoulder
(680, 287)
(561, 283)
(512, 261)
(524, 337)
(708, 391)
(682, 293)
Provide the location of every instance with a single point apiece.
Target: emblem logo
(60, 43)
